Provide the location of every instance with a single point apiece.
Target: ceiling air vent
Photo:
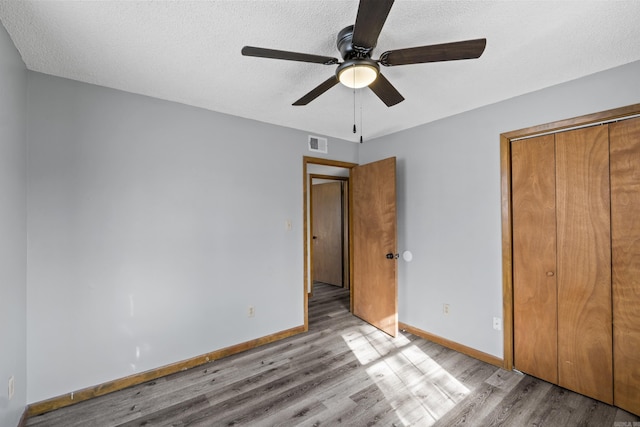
(317, 144)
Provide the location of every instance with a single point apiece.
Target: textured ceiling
(189, 52)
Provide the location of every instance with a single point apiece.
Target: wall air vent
(317, 144)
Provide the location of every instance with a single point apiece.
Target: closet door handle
(550, 273)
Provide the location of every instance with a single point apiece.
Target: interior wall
(153, 227)
(449, 207)
(13, 236)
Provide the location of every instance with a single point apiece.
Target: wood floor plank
(515, 409)
(482, 401)
(474, 408)
(364, 399)
(278, 394)
(342, 372)
(296, 414)
(505, 380)
(561, 405)
(171, 415)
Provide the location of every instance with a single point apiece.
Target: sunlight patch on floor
(428, 390)
(369, 344)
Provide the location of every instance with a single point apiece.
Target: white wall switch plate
(497, 323)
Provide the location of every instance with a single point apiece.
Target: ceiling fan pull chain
(360, 117)
(354, 111)
(354, 103)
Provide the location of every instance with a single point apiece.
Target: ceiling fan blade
(468, 49)
(290, 56)
(319, 90)
(371, 17)
(385, 91)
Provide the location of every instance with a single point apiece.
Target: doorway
(318, 171)
(329, 249)
(372, 239)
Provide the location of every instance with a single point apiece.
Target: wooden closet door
(534, 257)
(584, 262)
(625, 241)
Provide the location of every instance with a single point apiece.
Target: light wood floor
(342, 372)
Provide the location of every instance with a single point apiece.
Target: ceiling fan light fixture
(358, 73)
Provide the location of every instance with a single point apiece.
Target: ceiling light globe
(358, 73)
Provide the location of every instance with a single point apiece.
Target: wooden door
(534, 257)
(326, 208)
(625, 241)
(584, 262)
(375, 288)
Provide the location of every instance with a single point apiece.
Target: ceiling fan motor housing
(346, 47)
(358, 69)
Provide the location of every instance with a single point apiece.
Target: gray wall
(153, 227)
(449, 202)
(13, 237)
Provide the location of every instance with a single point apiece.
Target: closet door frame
(507, 229)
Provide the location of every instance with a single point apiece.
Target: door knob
(392, 256)
(550, 273)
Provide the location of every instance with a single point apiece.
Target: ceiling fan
(356, 43)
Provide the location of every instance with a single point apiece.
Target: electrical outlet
(445, 309)
(12, 387)
(252, 311)
(497, 323)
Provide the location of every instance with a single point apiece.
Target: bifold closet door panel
(534, 257)
(584, 262)
(625, 241)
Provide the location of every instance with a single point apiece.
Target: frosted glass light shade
(357, 75)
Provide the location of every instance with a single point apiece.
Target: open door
(327, 229)
(375, 284)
